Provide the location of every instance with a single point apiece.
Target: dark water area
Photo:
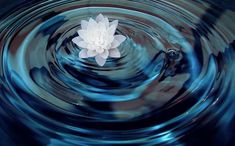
(173, 85)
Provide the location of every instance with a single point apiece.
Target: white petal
(115, 22)
(77, 39)
(91, 53)
(114, 53)
(91, 24)
(91, 47)
(120, 38)
(99, 50)
(106, 22)
(100, 61)
(82, 44)
(110, 39)
(82, 34)
(105, 54)
(84, 24)
(83, 53)
(115, 44)
(112, 29)
(102, 26)
(99, 18)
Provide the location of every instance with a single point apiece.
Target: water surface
(173, 85)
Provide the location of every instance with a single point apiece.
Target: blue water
(173, 85)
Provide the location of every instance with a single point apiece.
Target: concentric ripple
(175, 74)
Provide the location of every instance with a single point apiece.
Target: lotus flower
(97, 39)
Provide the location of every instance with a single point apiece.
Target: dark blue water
(173, 85)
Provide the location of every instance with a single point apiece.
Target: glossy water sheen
(173, 85)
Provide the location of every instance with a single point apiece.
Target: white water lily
(97, 39)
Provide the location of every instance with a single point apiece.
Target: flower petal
(77, 39)
(115, 43)
(112, 29)
(114, 53)
(99, 18)
(109, 39)
(82, 44)
(115, 22)
(120, 38)
(91, 24)
(91, 47)
(100, 61)
(99, 50)
(82, 34)
(91, 53)
(106, 22)
(84, 24)
(105, 54)
(83, 53)
(101, 26)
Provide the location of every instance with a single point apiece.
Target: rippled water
(173, 85)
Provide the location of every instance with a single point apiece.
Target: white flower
(97, 39)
